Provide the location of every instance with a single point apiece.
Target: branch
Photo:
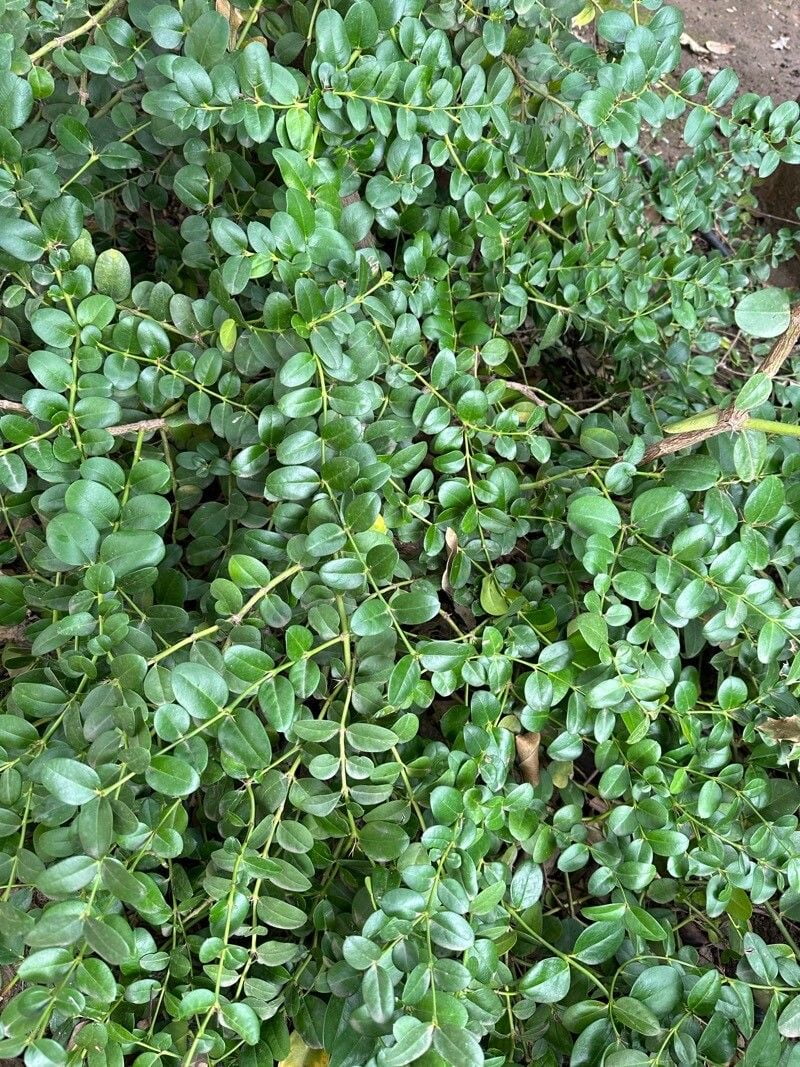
(529, 393)
(783, 346)
(79, 31)
(145, 426)
(730, 420)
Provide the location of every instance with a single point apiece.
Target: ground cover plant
(381, 679)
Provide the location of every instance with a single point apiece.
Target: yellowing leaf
(494, 599)
(584, 16)
(379, 526)
(227, 335)
(561, 773)
(300, 1055)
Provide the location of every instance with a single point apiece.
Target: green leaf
(526, 885)
(451, 931)
(130, 550)
(13, 473)
(413, 1038)
(54, 327)
(16, 100)
(243, 738)
(112, 274)
(199, 689)
(765, 313)
(660, 989)
(21, 239)
(634, 1015)
(70, 781)
(378, 993)
(72, 539)
(592, 513)
(207, 39)
(765, 1045)
(103, 939)
(765, 501)
(383, 841)
(755, 392)
(659, 511)
(242, 1020)
(62, 221)
(599, 942)
(171, 776)
(68, 876)
(597, 105)
(371, 618)
(547, 982)
(457, 1046)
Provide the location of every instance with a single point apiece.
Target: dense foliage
(361, 682)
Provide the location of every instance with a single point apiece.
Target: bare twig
(526, 390)
(783, 346)
(145, 425)
(79, 31)
(530, 394)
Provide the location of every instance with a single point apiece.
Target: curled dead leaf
(528, 756)
(451, 541)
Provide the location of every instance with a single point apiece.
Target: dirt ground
(763, 37)
(760, 39)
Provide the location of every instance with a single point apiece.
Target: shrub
(366, 687)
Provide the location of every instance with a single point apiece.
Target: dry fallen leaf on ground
(781, 43)
(687, 41)
(720, 48)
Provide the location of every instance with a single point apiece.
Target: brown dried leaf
(720, 48)
(451, 540)
(787, 729)
(687, 41)
(528, 756)
(463, 612)
(233, 15)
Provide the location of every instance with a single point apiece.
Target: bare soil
(765, 35)
(760, 40)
